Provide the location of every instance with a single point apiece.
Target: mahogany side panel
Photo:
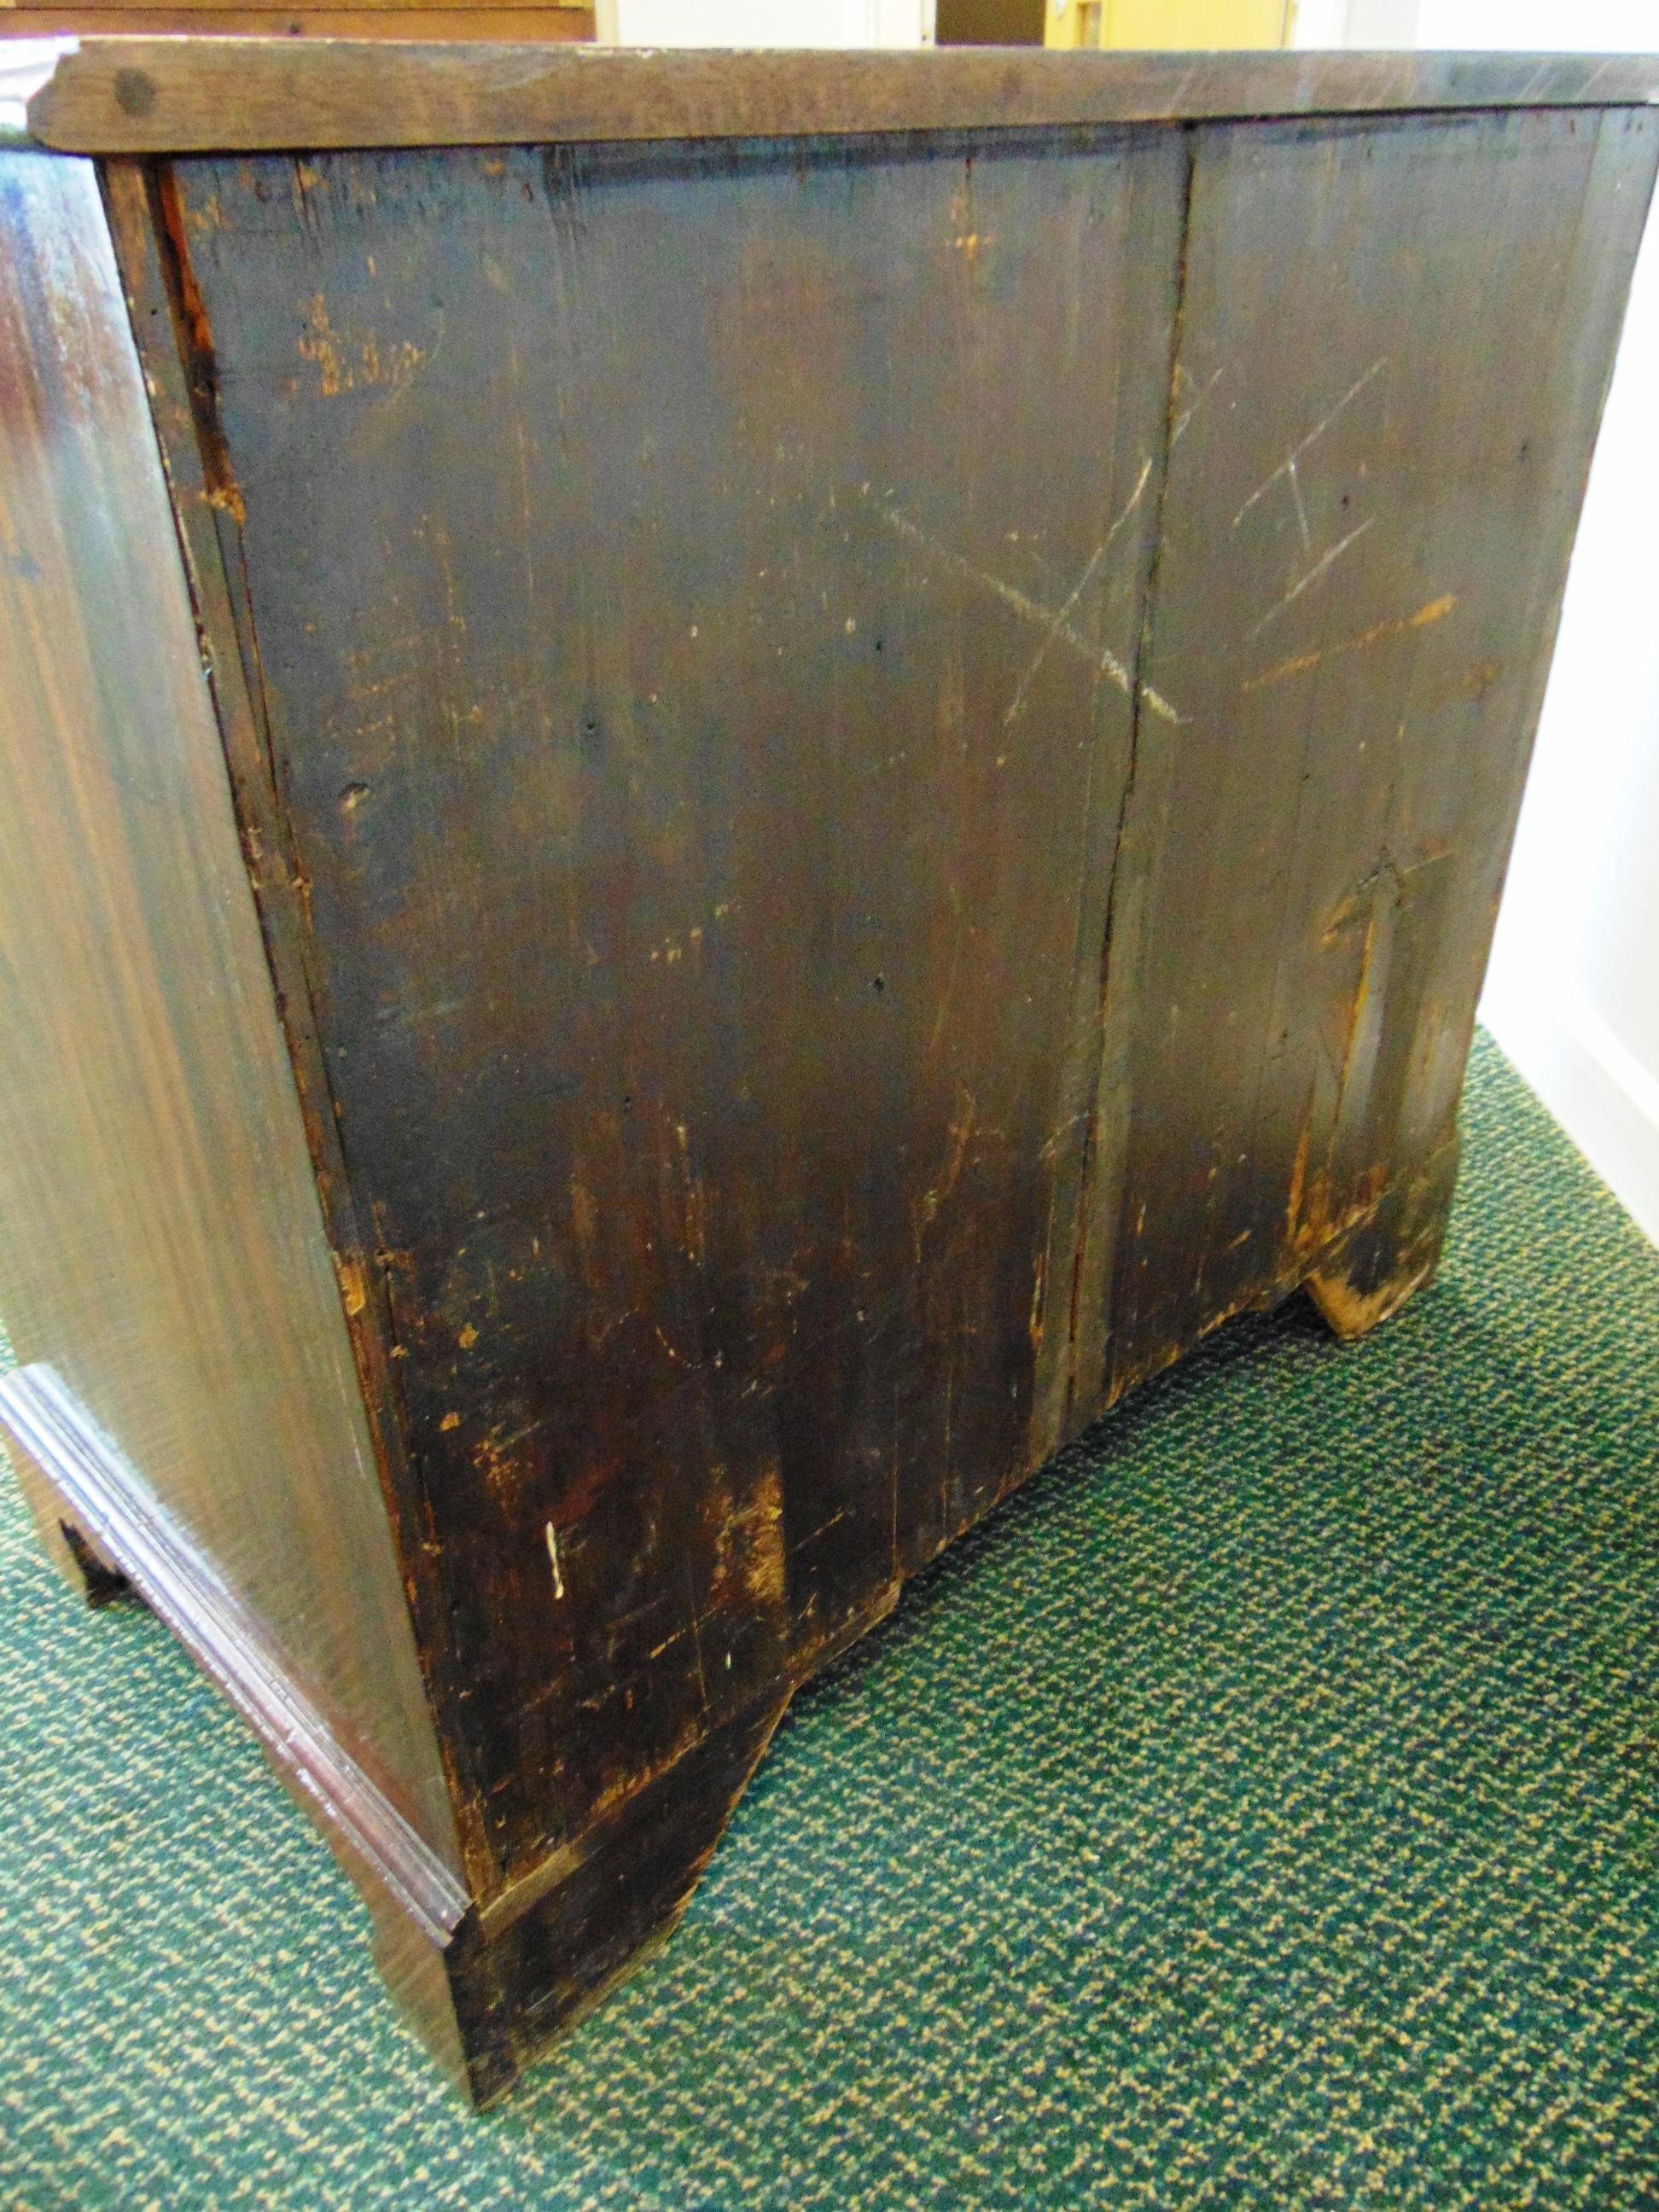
(163, 1247)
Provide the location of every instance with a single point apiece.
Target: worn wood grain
(164, 1248)
(1364, 537)
(162, 96)
(719, 1090)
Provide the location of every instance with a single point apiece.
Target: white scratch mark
(553, 1554)
(1332, 553)
(1317, 431)
(1191, 408)
(1058, 627)
(1301, 511)
(1159, 705)
(1097, 656)
(1063, 618)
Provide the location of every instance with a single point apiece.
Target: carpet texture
(1260, 1811)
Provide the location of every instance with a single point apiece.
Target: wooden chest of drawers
(732, 781)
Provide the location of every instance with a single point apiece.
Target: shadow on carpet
(1262, 1810)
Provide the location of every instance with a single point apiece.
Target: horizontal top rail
(126, 95)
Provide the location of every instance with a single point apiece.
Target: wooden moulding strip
(105, 1499)
(179, 96)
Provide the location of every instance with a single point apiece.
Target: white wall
(1573, 991)
(766, 22)
(1592, 27)
(1613, 27)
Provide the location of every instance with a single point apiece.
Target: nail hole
(134, 93)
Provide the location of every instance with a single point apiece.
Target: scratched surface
(899, 755)
(697, 659)
(1365, 534)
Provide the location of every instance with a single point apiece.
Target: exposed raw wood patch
(1349, 1313)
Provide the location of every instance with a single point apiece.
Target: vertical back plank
(696, 658)
(1395, 339)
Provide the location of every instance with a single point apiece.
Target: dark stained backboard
(900, 748)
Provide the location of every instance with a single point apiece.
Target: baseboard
(104, 1499)
(1594, 1086)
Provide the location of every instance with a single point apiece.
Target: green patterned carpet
(1261, 1811)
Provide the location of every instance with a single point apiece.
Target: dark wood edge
(175, 351)
(105, 1499)
(1367, 1275)
(1423, 1189)
(526, 1892)
(200, 94)
(518, 1984)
